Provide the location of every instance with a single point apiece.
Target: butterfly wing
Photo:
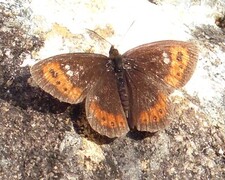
(69, 77)
(104, 109)
(153, 71)
(73, 77)
(149, 103)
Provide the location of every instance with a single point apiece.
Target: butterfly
(121, 92)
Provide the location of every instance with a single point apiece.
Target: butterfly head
(113, 53)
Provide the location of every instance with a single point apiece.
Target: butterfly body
(119, 72)
(121, 92)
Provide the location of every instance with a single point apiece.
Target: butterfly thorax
(117, 59)
(120, 76)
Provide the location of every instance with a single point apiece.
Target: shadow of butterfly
(121, 92)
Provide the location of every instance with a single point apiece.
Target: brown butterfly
(122, 92)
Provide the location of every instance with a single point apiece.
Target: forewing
(104, 109)
(153, 71)
(170, 62)
(69, 77)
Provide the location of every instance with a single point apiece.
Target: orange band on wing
(53, 73)
(179, 63)
(106, 119)
(156, 112)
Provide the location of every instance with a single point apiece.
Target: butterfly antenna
(127, 31)
(129, 27)
(93, 32)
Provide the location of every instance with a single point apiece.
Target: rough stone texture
(41, 138)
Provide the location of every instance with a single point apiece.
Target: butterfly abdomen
(121, 82)
(123, 92)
